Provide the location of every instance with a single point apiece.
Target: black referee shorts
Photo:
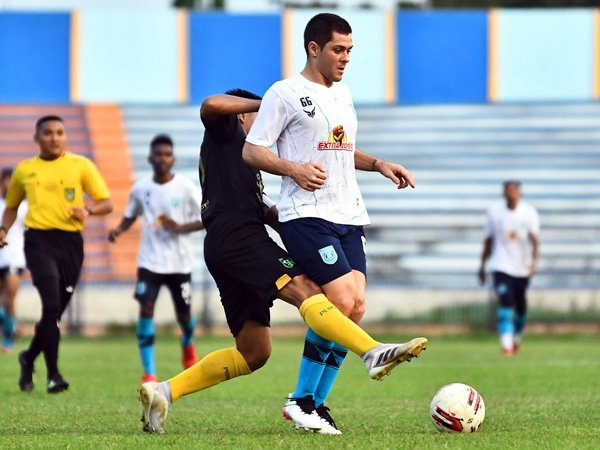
(248, 267)
(55, 254)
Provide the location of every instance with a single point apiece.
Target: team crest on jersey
(328, 254)
(70, 194)
(288, 263)
(175, 202)
(337, 140)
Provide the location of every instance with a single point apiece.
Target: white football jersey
(313, 123)
(162, 251)
(13, 254)
(510, 230)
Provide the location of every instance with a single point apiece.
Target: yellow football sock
(214, 368)
(329, 323)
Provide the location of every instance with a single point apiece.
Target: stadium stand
(425, 238)
(431, 237)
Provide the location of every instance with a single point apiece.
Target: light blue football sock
(519, 323)
(187, 332)
(2, 314)
(316, 352)
(332, 369)
(9, 324)
(145, 338)
(505, 320)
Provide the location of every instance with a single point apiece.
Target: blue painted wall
(545, 55)
(442, 57)
(230, 51)
(127, 56)
(34, 57)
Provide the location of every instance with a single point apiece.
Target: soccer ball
(457, 408)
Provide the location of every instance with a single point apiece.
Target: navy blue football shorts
(323, 249)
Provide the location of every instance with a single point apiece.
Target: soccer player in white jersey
(12, 266)
(310, 116)
(512, 245)
(170, 206)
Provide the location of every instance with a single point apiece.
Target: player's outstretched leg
(154, 408)
(382, 359)
(328, 322)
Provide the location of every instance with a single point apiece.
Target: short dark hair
(320, 28)
(243, 93)
(508, 183)
(161, 139)
(6, 172)
(42, 120)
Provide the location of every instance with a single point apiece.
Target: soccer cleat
(516, 347)
(302, 413)
(381, 360)
(154, 408)
(147, 377)
(57, 384)
(189, 357)
(26, 378)
(323, 412)
(508, 352)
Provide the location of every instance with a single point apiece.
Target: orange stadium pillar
(112, 158)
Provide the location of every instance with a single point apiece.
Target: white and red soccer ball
(457, 408)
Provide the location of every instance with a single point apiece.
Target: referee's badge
(70, 194)
(328, 254)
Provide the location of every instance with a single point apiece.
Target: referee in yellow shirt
(54, 183)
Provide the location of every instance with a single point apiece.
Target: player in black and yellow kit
(251, 271)
(54, 183)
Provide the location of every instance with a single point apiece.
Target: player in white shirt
(310, 117)
(512, 246)
(170, 207)
(12, 266)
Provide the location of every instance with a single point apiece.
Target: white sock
(507, 341)
(165, 389)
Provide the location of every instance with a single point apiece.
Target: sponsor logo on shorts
(287, 262)
(70, 194)
(328, 254)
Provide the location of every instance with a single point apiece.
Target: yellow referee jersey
(52, 187)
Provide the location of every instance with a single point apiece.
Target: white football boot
(154, 408)
(382, 359)
(323, 412)
(302, 413)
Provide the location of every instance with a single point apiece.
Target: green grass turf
(547, 397)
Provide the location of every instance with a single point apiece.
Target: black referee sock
(36, 346)
(51, 334)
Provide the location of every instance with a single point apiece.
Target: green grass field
(546, 397)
